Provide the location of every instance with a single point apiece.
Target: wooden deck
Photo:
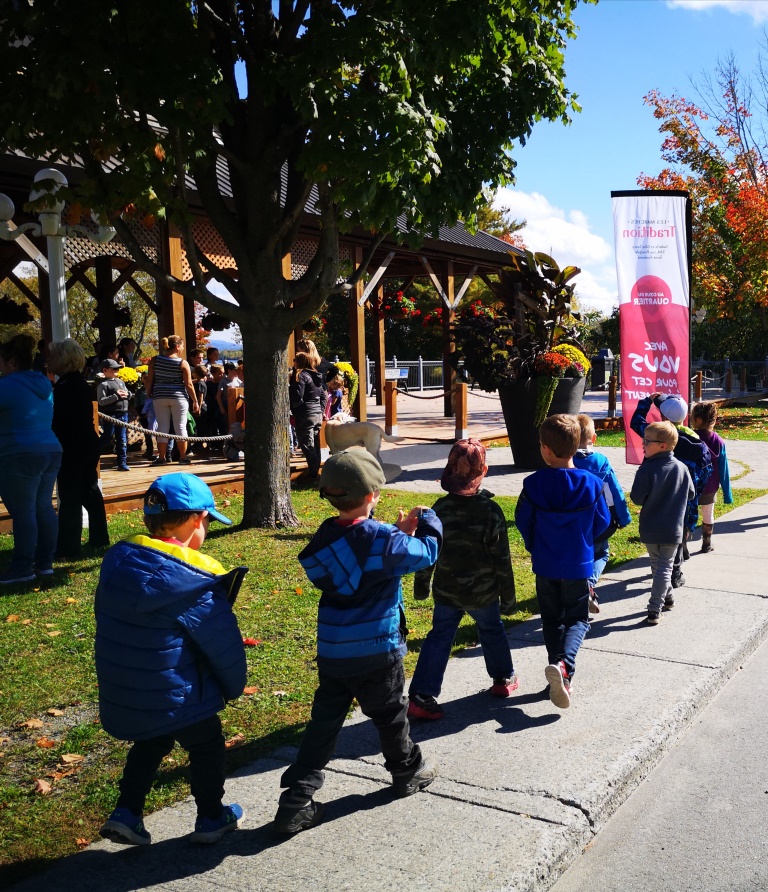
(124, 491)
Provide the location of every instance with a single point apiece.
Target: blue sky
(625, 48)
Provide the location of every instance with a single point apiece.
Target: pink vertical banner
(651, 235)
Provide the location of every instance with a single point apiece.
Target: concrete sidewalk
(523, 786)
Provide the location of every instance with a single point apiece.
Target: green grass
(736, 423)
(46, 644)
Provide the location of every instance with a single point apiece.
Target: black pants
(381, 698)
(203, 741)
(308, 426)
(78, 488)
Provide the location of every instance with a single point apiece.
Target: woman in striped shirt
(169, 383)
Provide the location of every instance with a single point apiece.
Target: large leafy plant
(533, 313)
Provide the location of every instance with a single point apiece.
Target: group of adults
(47, 437)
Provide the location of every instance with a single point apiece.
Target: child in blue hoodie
(561, 512)
(598, 464)
(169, 655)
(357, 563)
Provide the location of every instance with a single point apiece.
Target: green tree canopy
(371, 110)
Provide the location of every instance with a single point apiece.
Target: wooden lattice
(212, 244)
(79, 249)
(304, 249)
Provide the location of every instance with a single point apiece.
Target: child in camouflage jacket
(472, 575)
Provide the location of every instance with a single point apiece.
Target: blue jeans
(564, 606)
(26, 488)
(121, 437)
(601, 553)
(436, 649)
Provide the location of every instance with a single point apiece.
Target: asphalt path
(698, 821)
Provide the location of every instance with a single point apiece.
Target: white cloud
(757, 9)
(567, 237)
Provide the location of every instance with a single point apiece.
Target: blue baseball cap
(181, 492)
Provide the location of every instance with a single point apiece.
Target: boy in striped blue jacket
(357, 563)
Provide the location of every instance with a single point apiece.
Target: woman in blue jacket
(30, 456)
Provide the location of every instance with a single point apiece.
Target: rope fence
(134, 426)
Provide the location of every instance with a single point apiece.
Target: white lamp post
(48, 182)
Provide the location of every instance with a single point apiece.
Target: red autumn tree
(716, 149)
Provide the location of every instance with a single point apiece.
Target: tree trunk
(267, 500)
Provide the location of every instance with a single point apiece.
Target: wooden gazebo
(451, 260)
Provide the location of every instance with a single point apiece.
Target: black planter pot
(518, 403)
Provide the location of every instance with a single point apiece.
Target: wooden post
(449, 373)
(612, 396)
(172, 318)
(390, 408)
(235, 406)
(357, 342)
(729, 381)
(460, 406)
(698, 385)
(743, 379)
(380, 354)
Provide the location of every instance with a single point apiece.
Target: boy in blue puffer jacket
(561, 512)
(357, 564)
(598, 464)
(169, 655)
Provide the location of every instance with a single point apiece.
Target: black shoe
(678, 581)
(669, 601)
(407, 784)
(653, 617)
(424, 706)
(291, 820)
(160, 461)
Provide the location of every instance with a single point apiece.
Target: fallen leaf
(42, 787)
(70, 601)
(251, 642)
(12, 618)
(53, 634)
(31, 723)
(4, 740)
(82, 842)
(72, 758)
(58, 775)
(55, 711)
(235, 742)
(253, 689)
(26, 622)
(50, 625)
(299, 591)
(45, 742)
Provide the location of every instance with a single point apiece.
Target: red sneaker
(504, 687)
(424, 706)
(559, 684)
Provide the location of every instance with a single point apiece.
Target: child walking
(357, 563)
(472, 575)
(703, 419)
(560, 513)
(663, 487)
(169, 655)
(598, 464)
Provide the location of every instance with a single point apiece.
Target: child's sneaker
(653, 617)
(407, 784)
(210, 830)
(669, 601)
(125, 828)
(424, 706)
(678, 580)
(594, 607)
(504, 687)
(291, 820)
(559, 684)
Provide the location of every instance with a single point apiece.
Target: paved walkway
(524, 787)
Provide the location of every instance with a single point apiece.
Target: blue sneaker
(212, 829)
(125, 828)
